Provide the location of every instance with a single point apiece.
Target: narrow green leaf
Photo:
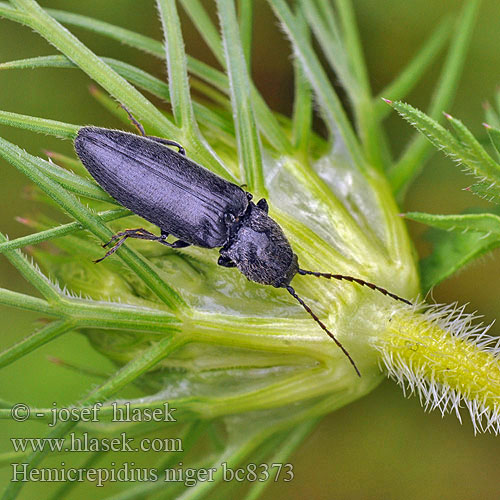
(34, 341)
(245, 10)
(487, 190)
(67, 162)
(65, 490)
(180, 97)
(331, 45)
(32, 274)
(133, 74)
(249, 149)
(59, 231)
(463, 148)
(440, 137)
(289, 442)
(267, 121)
(203, 114)
(353, 47)
(331, 107)
(329, 15)
(114, 84)
(415, 69)
(25, 302)
(131, 38)
(40, 125)
(28, 165)
(302, 105)
(122, 378)
(72, 182)
(494, 135)
(475, 157)
(11, 13)
(486, 223)
(206, 28)
(419, 150)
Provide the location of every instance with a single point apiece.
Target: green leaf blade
(39, 125)
(415, 69)
(419, 150)
(475, 157)
(494, 135)
(331, 107)
(485, 223)
(249, 148)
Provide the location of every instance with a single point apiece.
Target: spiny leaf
(485, 223)
(494, 135)
(487, 190)
(462, 147)
(474, 152)
(436, 133)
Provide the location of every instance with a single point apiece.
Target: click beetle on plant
(197, 207)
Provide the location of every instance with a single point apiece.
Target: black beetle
(196, 206)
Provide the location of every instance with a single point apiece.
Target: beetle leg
(262, 204)
(139, 126)
(225, 261)
(168, 142)
(129, 233)
(140, 234)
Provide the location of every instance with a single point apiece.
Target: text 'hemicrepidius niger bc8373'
(197, 207)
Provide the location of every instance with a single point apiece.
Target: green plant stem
(32, 274)
(118, 87)
(245, 10)
(415, 69)
(249, 148)
(59, 231)
(419, 150)
(26, 302)
(334, 113)
(293, 439)
(34, 341)
(123, 377)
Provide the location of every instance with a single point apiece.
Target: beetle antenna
(321, 324)
(359, 281)
(134, 121)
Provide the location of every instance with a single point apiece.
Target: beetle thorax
(260, 250)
